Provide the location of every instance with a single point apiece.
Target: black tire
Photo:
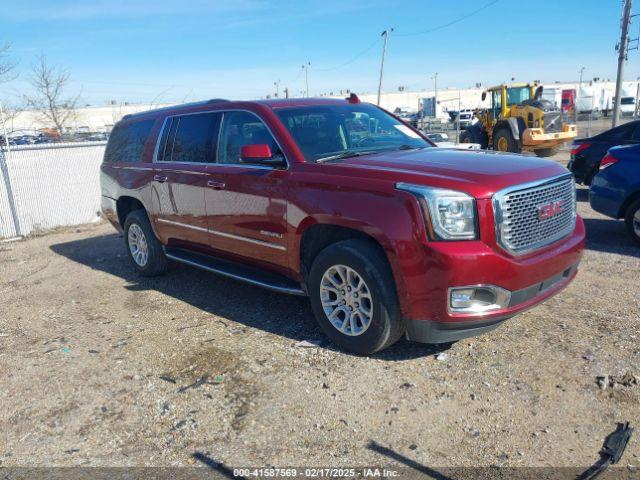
(467, 137)
(156, 263)
(546, 152)
(632, 211)
(386, 326)
(504, 135)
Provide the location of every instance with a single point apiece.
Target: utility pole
(277, 85)
(575, 101)
(306, 77)
(286, 92)
(385, 34)
(622, 57)
(435, 95)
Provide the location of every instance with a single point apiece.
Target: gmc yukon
(342, 202)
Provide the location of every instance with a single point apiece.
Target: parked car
(586, 153)
(340, 201)
(615, 190)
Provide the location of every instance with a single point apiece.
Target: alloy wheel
(138, 245)
(346, 300)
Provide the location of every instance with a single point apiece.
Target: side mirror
(484, 96)
(260, 154)
(538, 94)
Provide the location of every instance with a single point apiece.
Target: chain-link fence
(49, 186)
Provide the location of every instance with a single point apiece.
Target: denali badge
(550, 209)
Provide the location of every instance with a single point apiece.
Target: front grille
(552, 122)
(531, 216)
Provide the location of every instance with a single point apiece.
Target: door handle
(216, 185)
(159, 178)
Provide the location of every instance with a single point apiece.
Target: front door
(186, 147)
(246, 204)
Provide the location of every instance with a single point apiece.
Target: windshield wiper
(345, 154)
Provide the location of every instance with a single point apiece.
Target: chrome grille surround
(519, 228)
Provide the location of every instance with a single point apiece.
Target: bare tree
(7, 64)
(49, 84)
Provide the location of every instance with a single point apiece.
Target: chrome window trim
(180, 224)
(496, 202)
(224, 234)
(156, 149)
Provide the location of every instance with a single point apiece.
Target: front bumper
(535, 137)
(444, 332)
(530, 279)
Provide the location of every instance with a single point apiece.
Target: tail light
(607, 161)
(576, 149)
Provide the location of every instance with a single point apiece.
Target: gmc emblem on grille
(550, 210)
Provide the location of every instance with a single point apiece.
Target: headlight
(451, 214)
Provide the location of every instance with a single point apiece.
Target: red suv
(341, 201)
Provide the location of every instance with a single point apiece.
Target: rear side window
(189, 138)
(126, 142)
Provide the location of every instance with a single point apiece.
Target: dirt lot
(102, 367)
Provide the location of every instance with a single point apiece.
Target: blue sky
(170, 50)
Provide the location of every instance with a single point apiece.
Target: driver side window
(240, 129)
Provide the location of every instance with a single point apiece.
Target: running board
(236, 271)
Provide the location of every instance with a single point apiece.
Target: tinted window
(189, 138)
(239, 129)
(126, 142)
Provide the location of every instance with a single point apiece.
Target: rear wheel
(503, 141)
(632, 221)
(143, 248)
(546, 152)
(353, 297)
(466, 137)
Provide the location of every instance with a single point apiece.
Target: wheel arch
(627, 203)
(125, 205)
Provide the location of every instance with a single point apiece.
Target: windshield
(325, 132)
(517, 95)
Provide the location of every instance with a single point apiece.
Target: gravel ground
(102, 367)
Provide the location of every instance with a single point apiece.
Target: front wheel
(144, 249)
(353, 297)
(632, 221)
(503, 141)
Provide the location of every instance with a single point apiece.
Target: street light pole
(385, 34)
(575, 107)
(277, 85)
(306, 77)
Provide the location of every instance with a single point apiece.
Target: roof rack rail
(191, 104)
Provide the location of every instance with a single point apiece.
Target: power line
(453, 22)
(353, 59)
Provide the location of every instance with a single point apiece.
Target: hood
(479, 173)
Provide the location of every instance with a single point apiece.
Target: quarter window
(126, 142)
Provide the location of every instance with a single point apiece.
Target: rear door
(187, 146)
(246, 204)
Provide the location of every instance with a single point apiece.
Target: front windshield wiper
(345, 154)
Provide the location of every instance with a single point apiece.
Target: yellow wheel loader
(518, 120)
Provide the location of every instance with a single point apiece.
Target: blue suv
(615, 190)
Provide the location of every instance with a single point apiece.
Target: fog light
(478, 299)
